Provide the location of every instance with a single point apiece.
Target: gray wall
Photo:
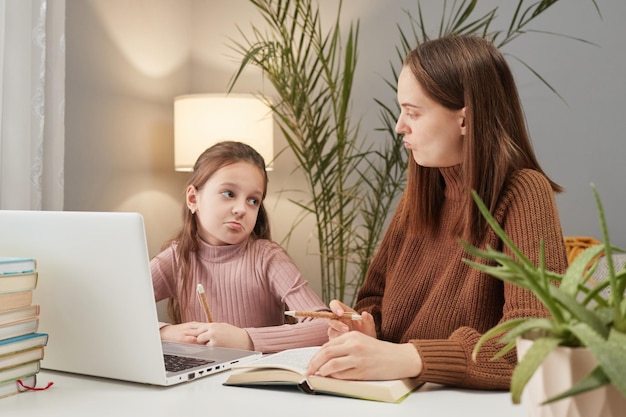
(126, 61)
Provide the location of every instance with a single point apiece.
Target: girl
(225, 246)
(423, 308)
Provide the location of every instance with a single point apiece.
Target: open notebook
(96, 297)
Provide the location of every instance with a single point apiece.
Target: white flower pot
(563, 368)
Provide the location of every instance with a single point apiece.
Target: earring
(193, 211)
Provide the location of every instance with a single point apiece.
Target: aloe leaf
(529, 364)
(522, 330)
(617, 295)
(595, 294)
(526, 324)
(579, 312)
(576, 269)
(498, 229)
(620, 278)
(495, 331)
(596, 379)
(610, 353)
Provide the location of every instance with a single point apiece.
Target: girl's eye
(253, 201)
(227, 194)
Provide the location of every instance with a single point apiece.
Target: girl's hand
(224, 335)
(355, 355)
(181, 333)
(337, 327)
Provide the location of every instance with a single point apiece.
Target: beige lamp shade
(201, 120)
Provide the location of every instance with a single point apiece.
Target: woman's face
(227, 205)
(433, 133)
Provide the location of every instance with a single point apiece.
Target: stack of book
(21, 346)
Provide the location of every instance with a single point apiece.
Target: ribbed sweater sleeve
(420, 291)
(247, 285)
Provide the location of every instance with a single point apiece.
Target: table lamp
(201, 120)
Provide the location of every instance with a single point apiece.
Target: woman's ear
(463, 125)
(191, 196)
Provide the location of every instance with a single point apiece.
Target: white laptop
(96, 297)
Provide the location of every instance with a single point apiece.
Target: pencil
(323, 315)
(204, 302)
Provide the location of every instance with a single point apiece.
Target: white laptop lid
(96, 295)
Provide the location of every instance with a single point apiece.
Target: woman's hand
(337, 327)
(355, 355)
(181, 333)
(224, 335)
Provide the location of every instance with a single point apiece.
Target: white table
(74, 395)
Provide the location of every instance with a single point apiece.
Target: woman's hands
(341, 326)
(354, 352)
(210, 334)
(354, 355)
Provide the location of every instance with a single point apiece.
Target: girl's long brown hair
(470, 72)
(187, 241)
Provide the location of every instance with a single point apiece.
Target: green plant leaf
(595, 379)
(498, 230)
(538, 326)
(610, 353)
(579, 312)
(529, 364)
(617, 281)
(495, 331)
(576, 269)
(312, 66)
(543, 326)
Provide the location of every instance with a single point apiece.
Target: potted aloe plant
(583, 316)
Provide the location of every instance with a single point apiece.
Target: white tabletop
(74, 395)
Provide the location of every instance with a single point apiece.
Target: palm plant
(580, 316)
(352, 187)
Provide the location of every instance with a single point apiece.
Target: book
(27, 341)
(16, 314)
(289, 367)
(13, 300)
(13, 387)
(19, 328)
(20, 371)
(13, 265)
(18, 282)
(20, 357)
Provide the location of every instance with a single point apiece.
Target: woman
(423, 308)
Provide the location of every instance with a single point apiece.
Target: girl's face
(433, 133)
(227, 205)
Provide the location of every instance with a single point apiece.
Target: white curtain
(32, 103)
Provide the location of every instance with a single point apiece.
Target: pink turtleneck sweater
(247, 285)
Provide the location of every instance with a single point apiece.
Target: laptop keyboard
(174, 363)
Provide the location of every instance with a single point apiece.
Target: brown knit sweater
(420, 291)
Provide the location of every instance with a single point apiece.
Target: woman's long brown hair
(470, 72)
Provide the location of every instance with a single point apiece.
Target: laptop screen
(95, 292)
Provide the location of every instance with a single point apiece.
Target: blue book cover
(15, 265)
(18, 343)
